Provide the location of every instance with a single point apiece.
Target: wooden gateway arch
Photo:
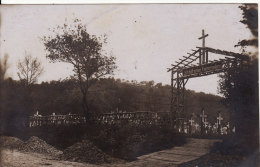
(197, 64)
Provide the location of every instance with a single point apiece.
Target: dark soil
(35, 144)
(126, 142)
(120, 141)
(86, 151)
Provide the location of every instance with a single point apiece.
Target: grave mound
(10, 142)
(37, 145)
(86, 151)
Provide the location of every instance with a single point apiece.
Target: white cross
(219, 118)
(209, 126)
(203, 116)
(196, 125)
(191, 121)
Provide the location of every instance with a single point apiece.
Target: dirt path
(194, 149)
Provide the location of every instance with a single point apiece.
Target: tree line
(105, 96)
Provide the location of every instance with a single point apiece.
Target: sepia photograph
(129, 85)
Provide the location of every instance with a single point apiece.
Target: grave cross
(203, 38)
(203, 116)
(196, 125)
(191, 121)
(219, 119)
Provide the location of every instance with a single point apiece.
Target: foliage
(73, 44)
(250, 19)
(240, 88)
(29, 69)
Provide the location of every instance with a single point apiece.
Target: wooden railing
(135, 118)
(70, 119)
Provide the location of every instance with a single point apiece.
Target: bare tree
(29, 69)
(3, 67)
(72, 44)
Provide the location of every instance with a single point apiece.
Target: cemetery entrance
(199, 63)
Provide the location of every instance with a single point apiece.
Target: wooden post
(200, 57)
(178, 94)
(203, 46)
(207, 57)
(172, 115)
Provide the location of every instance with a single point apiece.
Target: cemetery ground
(169, 157)
(129, 148)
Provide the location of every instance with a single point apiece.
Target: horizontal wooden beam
(226, 53)
(204, 36)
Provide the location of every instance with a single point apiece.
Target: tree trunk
(84, 91)
(85, 106)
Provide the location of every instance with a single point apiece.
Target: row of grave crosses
(205, 127)
(39, 120)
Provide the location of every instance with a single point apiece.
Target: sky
(145, 38)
